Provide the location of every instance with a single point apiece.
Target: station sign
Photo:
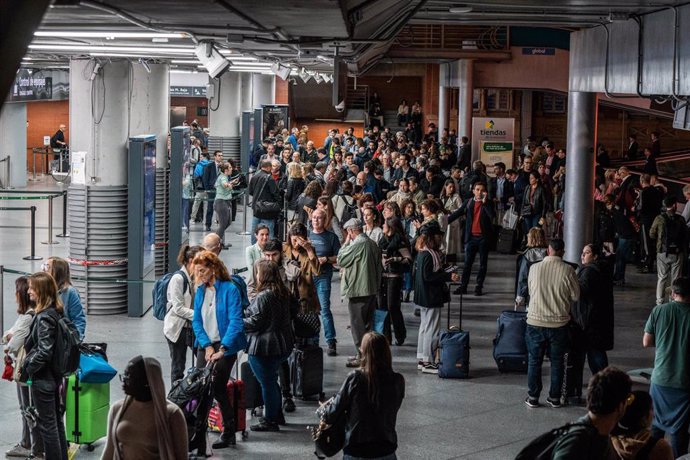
(532, 51)
(188, 91)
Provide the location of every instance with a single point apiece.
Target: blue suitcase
(510, 348)
(454, 349)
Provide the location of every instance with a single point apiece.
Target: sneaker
(18, 451)
(332, 350)
(399, 342)
(38, 457)
(431, 368)
(265, 425)
(289, 405)
(353, 362)
(555, 403)
(532, 402)
(420, 365)
(478, 291)
(573, 401)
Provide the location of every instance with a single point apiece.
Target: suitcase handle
(450, 299)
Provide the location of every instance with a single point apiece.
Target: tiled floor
(480, 418)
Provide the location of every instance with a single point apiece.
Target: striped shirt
(553, 287)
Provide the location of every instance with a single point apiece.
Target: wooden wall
(43, 119)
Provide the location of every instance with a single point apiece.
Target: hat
(431, 229)
(353, 223)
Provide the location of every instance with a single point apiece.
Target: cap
(352, 223)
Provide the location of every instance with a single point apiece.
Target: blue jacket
(73, 309)
(228, 315)
(199, 168)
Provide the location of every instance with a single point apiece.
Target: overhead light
(460, 9)
(281, 70)
(318, 78)
(113, 34)
(327, 78)
(214, 62)
(304, 75)
(105, 49)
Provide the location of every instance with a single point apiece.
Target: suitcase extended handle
(450, 299)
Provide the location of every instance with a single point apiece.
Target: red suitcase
(236, 395)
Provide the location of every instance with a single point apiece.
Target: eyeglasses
(124, 378)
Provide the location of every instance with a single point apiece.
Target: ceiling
(298, 33)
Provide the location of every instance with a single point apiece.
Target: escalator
(673, 167)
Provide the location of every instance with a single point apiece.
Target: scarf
(437, 257)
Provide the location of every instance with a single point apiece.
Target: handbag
(93, 367)
(510, 218)
(329, 439)
(307, 324)
(526, 210)
(19, 363)
(265, 206)
(8, 372)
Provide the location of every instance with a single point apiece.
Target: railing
(452, 37)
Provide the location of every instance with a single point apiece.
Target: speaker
(339, 82)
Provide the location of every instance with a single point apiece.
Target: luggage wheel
(90, 447)
(245, 435)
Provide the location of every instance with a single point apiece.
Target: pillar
(150, 107)
(246, 83)
(263, 89)
(13, 134)
(224, 121)
(463, 71)
(442, 99)
(579, 186)
(526, 115)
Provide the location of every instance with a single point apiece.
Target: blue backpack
(239, 283)
(160, 294)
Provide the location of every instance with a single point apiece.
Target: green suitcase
(87, 406)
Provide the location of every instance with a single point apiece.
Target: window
(498, 99)
(553, 103)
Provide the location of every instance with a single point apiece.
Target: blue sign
(531, 51)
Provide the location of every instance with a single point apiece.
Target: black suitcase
(510, 348)
(506, 240)
(252, 390)
(454, 348)
(306, 371)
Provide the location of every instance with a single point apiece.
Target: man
(360, 260)
(656, 144)
(58, 139)
(479, 214)
(670, 232)
(626, 235)
(270, 153)
(522, 182)
(211, 242)
(625, 196)
(553, 287)
(608, 396)
(476, 175)
(200, 195)
(292, 138)
(464, 153)
(319, 173)
(310, 155)
(208, 179)
(264, 191)
(433, 181)
(649, 166)
(550, 158)
(651, 200)
(500, 189)
(668, 329)
(633, 147)
(326, 245)
(256, 251)
(404, 170)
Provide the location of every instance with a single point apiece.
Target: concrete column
(225, 121)
(579, 185)
(263, 89)
(442, 99)
(526, 115)
(246, 83)
(150, 106)
(13, 135)
(100, 130)
(463, 70)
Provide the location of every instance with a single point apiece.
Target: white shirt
(180, 307)
(208, 315)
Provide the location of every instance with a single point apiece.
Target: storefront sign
(188, 91)
(493, 140)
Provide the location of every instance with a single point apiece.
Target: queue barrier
(49, 195)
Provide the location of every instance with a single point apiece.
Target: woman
(177, 324)
(371, 225)
(187, 196)
(145, 425)
(403, 112)
(409, 211)
(535, 252)
(332, 223)
(336, 164)
(58, 268)
(239, 182)
(255, 251)
(301, 266)
(593, 319)
(217, 325)
(397, 259)
(13, 339)
(430, 292)
(369, 399)
(633, 438)
(451, 201)
(307, 201)
(269, 329)
(534, 205)
(391, 209)
(295, 185)
(223, 202)
(38, 368)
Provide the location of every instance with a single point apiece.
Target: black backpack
(674, 236)
(543, 446)
(66, 353)
(350, 211)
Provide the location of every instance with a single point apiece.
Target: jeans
(529, 222)
(31, 437)
(185, 212)
(539, 340)
(389, 299)
(270, 223)
(387, 457)
(322, 283)
(209, 207)
(222, 208)
(221, 375)
(285, 380)
(623, 252)
(668, 269)
(678, 439)
(266, 370)
(474, 245)
(361, 311)
(178, 356)
(46, 399)
(407, 281)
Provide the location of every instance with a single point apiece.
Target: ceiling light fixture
(214, 62)
(281, 70)
(460, 9)
(304, 75)
(113, 34)
(318, 78)
(105, 49)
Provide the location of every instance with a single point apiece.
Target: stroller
(194, 395)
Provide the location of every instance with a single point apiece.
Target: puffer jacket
(268, 325)
(40, 345)
(369, 430)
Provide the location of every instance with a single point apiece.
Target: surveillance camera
(340, 107)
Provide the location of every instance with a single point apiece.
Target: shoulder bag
(265, 206)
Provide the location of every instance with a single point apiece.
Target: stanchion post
(2, 297)
(244, 217)
(33, 255)
(64, 233)
(50, 222)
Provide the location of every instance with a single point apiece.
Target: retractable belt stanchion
(64, 233)
(33, 255)
(50, 223)
(244, 216)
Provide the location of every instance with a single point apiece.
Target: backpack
(239, 283)
(673, 236)
(194, 395)
(542, 447)
(160, 294)
(350, 211)
(66, 353)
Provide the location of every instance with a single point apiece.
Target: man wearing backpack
(200, 195)
(670, 232)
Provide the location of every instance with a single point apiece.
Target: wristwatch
(222, 348)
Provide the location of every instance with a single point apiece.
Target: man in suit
(208, 179)
(501, 191)
(478, 234)
(633, 147)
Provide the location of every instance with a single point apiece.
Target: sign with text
(78, 168)
(39, 85)
(497, 135)
(188, 91)
(539, 51)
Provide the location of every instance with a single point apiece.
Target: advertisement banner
(493, 131)
(494, 152)
(39, 85)
(275, 118)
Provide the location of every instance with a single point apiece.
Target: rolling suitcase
(306, 371)
(86, 411)
(506, 238)
(510, 348)
(252, 390)
(454, 348)
(236, 394)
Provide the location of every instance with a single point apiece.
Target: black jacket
(40, 345)
(428, 284)
(261, 192)
(508, 191)
(268, 324)
(594, 311)
(539, 204)
(369, 430)
(486, 218)
(209, 176)
(295, 187)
